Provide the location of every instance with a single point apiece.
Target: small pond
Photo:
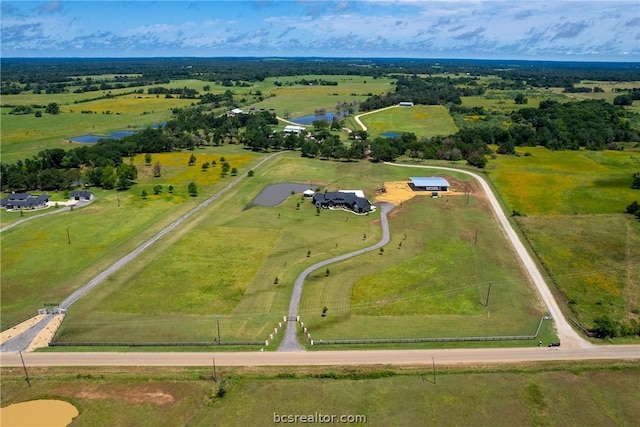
(391, 135)
(92, 139)
(119, 134)
(327, 117)
(275, 194)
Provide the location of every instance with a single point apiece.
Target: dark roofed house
(81, 195)
(336, 199)
(16, 201)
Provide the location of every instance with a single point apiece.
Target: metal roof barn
(430, 183)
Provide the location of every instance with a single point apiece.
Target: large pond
(277, 193)
(309, 119)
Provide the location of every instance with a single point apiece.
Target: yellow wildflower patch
(128, 104)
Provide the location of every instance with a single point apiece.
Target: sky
(560, 30)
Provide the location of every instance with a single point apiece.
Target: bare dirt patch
(45, 412)
(134, 396)
(397, 192)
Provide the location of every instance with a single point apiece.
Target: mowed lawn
(65, 250)
(422, 120)
(579, 394)
(432, 280)
(221, 268)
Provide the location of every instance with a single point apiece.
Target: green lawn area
(422, 120)
(46, 268)
(549, 394)
(431, 281)
(220, 267)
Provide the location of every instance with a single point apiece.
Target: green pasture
(540, 394)
(298, 100)
(609, 89)
(432, 280)
(24, 136)
(241, 249)
(46, 268)
(503, 100)
(566, 182)
(222, 266)
(594, 260)
(422, 120)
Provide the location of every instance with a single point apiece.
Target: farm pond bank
(275, 194)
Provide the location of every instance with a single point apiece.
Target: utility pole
(433, 364)
(68, 236)
(26, 374)
(475, 241)
(218, 323)
(215, 376)
(486, 304)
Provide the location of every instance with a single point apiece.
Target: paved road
(568, 337)
(484, 356)
(290, 342)
(21, 342)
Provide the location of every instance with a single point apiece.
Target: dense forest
(51, 75)
(592, 124)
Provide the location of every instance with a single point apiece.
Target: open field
(100, 234)
(431, 276)
(298, 100)
(536, 394)
(230, 280)
(24, 136)
(574, 203)
(594, 259)
(422, 120)
(503, 100)
(566, 182)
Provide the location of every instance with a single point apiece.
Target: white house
(294, 129)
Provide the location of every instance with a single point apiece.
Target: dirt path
(357, 118)
(568, 337)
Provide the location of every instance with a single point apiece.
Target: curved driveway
(78, 205)
(290, 342)
(357, 118)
